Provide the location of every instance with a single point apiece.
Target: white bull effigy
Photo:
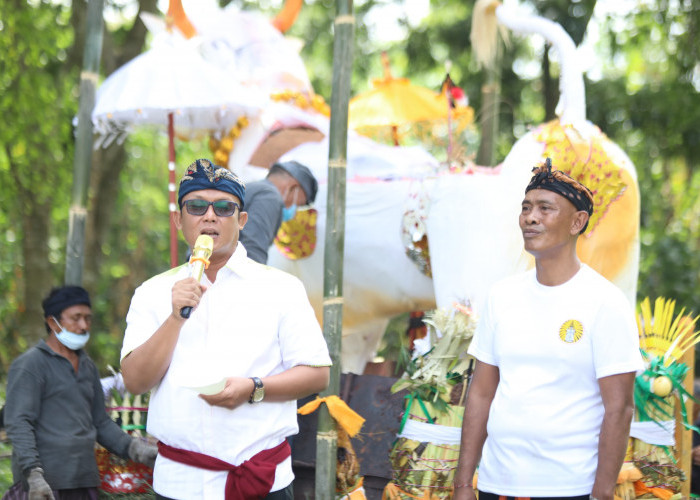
(469, 214)
(400, 196)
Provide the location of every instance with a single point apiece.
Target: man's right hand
(39, 489)
(464, 493)
(186, 293)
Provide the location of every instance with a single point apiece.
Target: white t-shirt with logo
(551, 345)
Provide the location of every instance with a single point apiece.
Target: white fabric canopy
(172, 77)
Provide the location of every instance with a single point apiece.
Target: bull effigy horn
(176, 17)
(487, 18)
(286, 17)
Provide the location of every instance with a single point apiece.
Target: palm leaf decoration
(663, 339)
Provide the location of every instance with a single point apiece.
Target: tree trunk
(108, 163)
(551, 91)
(37, 267)
(490, 115)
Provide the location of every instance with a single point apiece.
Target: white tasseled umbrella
(171, 85)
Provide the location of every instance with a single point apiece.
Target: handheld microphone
(203, 247)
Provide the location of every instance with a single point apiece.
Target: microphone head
(203, 246)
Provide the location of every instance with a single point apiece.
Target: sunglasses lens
(196, 207)
(224, 208)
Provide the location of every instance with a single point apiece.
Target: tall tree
(120, 47)
(42, 45)
(36, 90)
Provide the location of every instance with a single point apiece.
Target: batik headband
(203, 174)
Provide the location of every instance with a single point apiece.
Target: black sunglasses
(222, 208)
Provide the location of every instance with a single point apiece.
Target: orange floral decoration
(221, 148)
(303, 101)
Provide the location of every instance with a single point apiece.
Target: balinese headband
(559, 182)
(203, 174)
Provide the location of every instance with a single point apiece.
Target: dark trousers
(18, 493)
(283, 494)
(484, 495)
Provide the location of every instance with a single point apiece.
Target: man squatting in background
(272, 201)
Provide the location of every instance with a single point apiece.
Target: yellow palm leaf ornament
(663, 339)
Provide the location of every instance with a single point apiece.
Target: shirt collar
(239, 262)
(45, 347)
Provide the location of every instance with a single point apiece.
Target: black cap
(61, 298)
(303, 175)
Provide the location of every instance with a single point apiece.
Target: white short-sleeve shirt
(551, 345)
(254, 320)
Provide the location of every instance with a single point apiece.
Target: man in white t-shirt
(550, 405)
(251, 330)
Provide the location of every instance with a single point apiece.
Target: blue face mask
(71, 340)
(288, 213)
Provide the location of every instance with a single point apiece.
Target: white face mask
(71, 340)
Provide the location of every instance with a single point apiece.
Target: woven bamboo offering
(426, 469)
(118, 475)
(425, 455)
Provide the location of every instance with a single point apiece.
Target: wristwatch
(258, 392)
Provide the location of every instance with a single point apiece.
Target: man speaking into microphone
(224, 380)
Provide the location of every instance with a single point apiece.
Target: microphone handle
(196, 274)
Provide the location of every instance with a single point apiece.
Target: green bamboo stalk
(75, 246)
(327, 436)
(488, 122)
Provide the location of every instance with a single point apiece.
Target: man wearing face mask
(274, 200)
(55, 409)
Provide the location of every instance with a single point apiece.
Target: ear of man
(242, 219)
(52, 324)
(176, 218)
(579, 222)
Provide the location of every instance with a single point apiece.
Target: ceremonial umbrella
(396, 102)
(171, 85)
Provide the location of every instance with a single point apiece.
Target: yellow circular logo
(571, 331)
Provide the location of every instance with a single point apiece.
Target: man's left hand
(143, 452)
(236, 392)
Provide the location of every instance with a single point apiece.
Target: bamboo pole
(684, 437)
(172, 200)
(489, 119)
(327, 436)
(75, 246)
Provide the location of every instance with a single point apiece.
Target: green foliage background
(645, 99)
